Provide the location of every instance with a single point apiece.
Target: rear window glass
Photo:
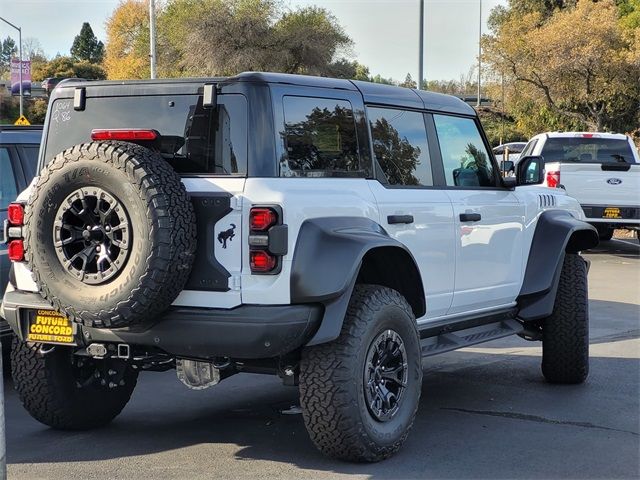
(193, 140)
(30, 156)
(319, 138)
(587, 150)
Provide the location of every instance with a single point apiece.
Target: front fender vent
(546, 200)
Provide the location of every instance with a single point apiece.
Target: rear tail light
(261, 218)
(553, 179)
(15, 249)
(15, 214)
(262, 261)
(267, 239)
(126, 134)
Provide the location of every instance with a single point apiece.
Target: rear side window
(587, 150)
(465, 157)
(8, 189)
(30, 160)
(319, 138)
(400, 146)
(193, 140)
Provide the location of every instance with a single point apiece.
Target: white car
(600, 170)
(509, 151)
(330, 232)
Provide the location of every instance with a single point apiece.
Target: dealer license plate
(48, 326)
(611, 212)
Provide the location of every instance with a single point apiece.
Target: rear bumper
(245, 332)
(598, 214)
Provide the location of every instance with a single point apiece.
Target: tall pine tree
(86, 47)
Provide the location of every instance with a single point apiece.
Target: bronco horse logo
(226, 235)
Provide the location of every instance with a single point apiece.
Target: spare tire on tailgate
(110, 235)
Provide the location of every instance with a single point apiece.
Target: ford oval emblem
(614, 181)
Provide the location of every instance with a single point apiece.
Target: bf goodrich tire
(110, 234)
(565, 334)
(359, 394)
(69, 392)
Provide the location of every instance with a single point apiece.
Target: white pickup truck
(600, 170)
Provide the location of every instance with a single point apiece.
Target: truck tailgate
(602, 184)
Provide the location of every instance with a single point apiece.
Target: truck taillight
(553, 178)
(261, 218)
(267, 239)
(262, 261)
(15, 214)
(15, 250)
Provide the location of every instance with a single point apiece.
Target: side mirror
(530, 170)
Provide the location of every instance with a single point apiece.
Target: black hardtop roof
(374, 93)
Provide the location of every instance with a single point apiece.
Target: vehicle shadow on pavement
(624, 248)
(481, 415)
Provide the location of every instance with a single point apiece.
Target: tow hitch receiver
(100, 350)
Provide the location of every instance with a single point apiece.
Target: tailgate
(215, 277)
(602, 184)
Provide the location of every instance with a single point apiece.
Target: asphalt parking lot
(485, 413)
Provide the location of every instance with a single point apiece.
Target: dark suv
(18, 160)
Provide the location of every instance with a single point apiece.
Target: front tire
(352, 407)
(565, 333)
(63, 391)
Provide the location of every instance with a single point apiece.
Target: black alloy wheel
(91, 234)
(385, 375)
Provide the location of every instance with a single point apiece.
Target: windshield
(587, 150)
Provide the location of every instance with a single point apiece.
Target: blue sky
(385, 32)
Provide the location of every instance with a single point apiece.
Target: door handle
(400, 219)
(470, 217)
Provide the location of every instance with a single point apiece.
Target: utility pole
(152, 36)
(20, 54)
(421, 47)
(479, 54)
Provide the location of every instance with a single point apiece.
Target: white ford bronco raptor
(331, 232)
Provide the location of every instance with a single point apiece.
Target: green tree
(86, 47)
(216, 37)
(8, 49)
(409, 82)
(586, 75)
(68, 68)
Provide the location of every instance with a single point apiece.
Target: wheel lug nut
(112, 372)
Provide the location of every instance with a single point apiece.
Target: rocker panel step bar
(470, 336)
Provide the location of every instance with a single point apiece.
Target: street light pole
(19, 53)
(152, 36)
(479, 54)
(421, 47)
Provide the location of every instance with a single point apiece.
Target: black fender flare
(326, 263)
(557, 233)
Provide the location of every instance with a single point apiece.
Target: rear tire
(63, 394)
(565, 333)
(340, 381)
